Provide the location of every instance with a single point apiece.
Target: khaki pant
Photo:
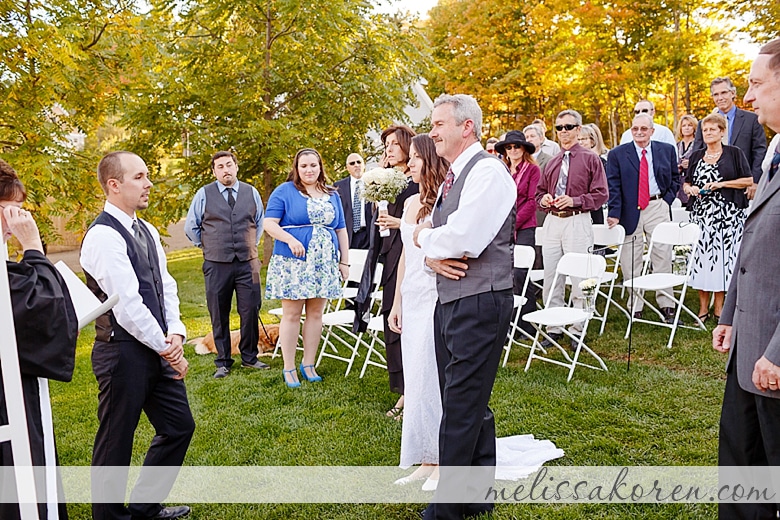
(560, 236)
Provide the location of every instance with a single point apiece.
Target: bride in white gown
(412, 316)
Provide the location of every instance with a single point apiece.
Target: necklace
(708, 155)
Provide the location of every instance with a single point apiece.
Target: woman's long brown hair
(322, 181)
(432, 173)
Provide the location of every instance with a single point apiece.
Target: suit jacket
(345, 192)
(752, 305)
(748, 135)
(623, 180)
(542, 159)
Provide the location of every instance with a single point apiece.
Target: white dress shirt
(660, 134)
(104, 257)
(488, 195)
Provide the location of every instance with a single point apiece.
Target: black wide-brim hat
(515, 137)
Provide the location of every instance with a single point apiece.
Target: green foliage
(270, 77)
(529, 60)
(63, 66)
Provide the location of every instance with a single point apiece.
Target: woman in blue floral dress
(310, 258)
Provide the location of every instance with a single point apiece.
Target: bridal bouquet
(381, 185)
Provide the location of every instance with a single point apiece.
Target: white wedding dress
(517, 456)
(422, 398)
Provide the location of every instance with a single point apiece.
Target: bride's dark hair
(432, 173)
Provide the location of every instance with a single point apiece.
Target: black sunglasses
(353, 163)
(512, 147)
(568, 128)
(641, 110)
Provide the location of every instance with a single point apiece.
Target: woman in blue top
(310, 259)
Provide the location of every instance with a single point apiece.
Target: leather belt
(564, 214)
(656, 197)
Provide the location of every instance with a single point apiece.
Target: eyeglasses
(636, 129)
(353, 163)
(641, 111)
(512, 147)
(568, 128)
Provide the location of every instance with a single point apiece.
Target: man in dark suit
(357, 212)
(744, 130)
(643, 182)
(748, 331)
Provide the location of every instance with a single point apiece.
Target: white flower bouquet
(381, 185)
(682, 250)
(588, 286)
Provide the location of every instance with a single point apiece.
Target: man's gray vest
(226, 233)
(491, 270)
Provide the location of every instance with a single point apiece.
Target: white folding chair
(524, 259)
(337, 324)
(357, 259)
(680, 214)
(672, 234)
(612, 238)
(376, 326)
(578, 266)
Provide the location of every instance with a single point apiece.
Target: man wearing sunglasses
(356, 211)
(571, 186)
(661, 134)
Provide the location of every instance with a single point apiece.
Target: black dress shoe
(668, 313)
(173, 512)
(546, 343)
(638, 315)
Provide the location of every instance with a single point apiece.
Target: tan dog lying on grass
(265, 344)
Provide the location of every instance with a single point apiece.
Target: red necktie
(644, 181)
(449, 179)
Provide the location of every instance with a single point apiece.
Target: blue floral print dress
(318, 275)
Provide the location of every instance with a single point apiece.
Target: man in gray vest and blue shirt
(226, 220)
(469, 246)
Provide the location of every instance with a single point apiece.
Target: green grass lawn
(663, 411)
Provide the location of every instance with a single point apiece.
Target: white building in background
(416, 113)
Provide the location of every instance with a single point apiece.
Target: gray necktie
(139, 237)
(230, 200)
(560, 188)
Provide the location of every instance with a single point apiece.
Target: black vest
(226, 233)
(147, 271)
(492, 269)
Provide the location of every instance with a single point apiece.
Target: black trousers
(749, 436)
(222, 279)
(131, 378)
(360, 239)
(469, 336)
(395, 364)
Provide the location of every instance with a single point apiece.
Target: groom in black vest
(469, 245)
(138, 358)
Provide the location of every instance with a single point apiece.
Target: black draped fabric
(46, 331)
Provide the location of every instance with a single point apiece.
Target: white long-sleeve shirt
(488, 195)
(104, 257)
